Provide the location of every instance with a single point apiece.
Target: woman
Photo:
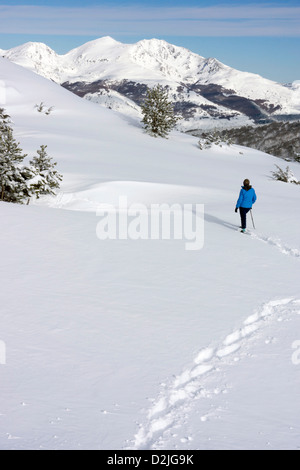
(245, 201)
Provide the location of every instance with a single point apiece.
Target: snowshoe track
(277, 243)
(174, 401)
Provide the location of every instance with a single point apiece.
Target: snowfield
(141, 344)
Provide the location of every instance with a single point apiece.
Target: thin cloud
(247, 20)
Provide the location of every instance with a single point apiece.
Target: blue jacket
(246, 198)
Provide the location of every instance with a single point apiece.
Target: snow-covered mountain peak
(93, 49)
(35, 56)
(158, 47)
(213, 65)
(201, 87)
(103, 41)
(173, 62)
(296, 85)
(30, 50)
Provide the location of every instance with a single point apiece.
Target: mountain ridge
(204, 90)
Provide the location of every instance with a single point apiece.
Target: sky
(259, 36)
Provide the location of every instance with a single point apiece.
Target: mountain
(205, 91)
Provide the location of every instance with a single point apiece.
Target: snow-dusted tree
(5, 122)
(287, 176)
(40, 107)
(158, 112)
(18, 183)
(46, 179)
(12, 182)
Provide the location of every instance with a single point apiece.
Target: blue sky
(260, 36)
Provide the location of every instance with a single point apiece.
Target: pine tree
(12, 182)
(46, 179)
(158, 112)
(4, 121)
(17, 181)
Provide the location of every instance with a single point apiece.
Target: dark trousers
(243, 214)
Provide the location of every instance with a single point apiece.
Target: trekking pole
(252, 219)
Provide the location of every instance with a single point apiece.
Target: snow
(141, 344)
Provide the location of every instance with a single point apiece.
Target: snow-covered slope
(202, 88)
(141, 344)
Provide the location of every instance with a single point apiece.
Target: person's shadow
(215, 220)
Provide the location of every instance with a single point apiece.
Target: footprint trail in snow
(276, 242)
(175, 400)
